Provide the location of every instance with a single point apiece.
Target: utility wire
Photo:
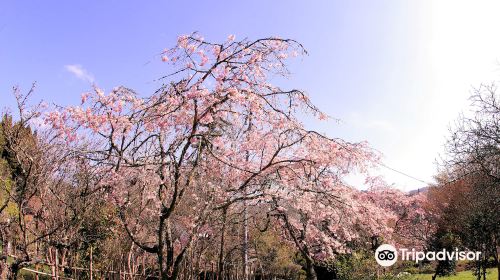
(404, 174)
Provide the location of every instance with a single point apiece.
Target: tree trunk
(13, 270)
(498, 269)
(12, 275)
(497, 259)
(131, 268)
(478, 269)
(245, 241)
(168, 272)
(310, 272)
(91, 264)
(4, 268)
(220, 266)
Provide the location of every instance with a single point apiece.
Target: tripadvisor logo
(387, 255)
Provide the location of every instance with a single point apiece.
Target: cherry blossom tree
(216, 134)
(408, 215)
(326, 218)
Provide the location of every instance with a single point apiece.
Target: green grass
(464, 275)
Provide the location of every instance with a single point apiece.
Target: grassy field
(464, 275)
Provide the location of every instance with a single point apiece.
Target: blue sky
(395, 72)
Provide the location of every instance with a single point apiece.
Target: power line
(395, 170)
(404, 174)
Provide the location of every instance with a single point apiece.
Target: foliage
(465, 275)
(359, 265)
(275, 257)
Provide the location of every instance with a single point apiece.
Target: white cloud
(81, 73)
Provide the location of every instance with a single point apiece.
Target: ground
(464, 275)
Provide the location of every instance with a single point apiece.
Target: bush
(358, 265)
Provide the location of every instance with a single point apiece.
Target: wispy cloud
(81, 73)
